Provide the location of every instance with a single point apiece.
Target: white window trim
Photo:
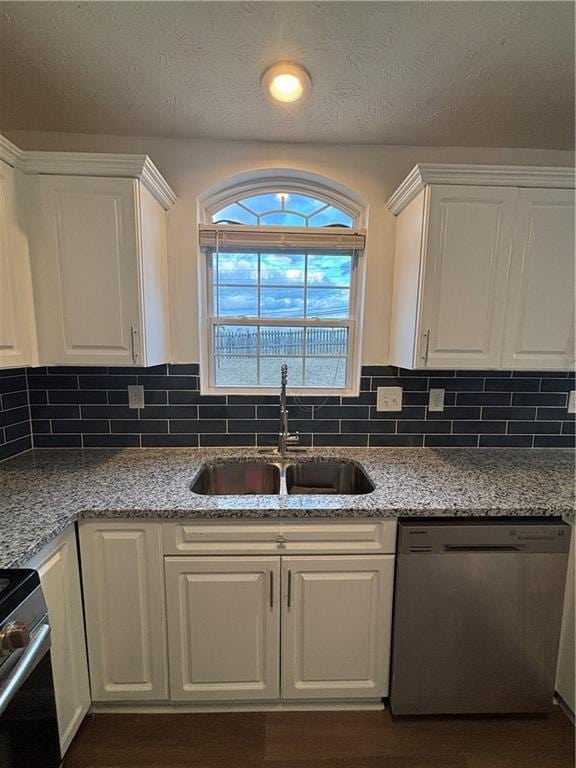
(270, 181)
(354, 323)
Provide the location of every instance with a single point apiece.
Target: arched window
(283, 209)
(281, 283)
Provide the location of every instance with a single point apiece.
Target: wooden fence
(279, 342)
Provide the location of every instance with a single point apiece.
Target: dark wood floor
(320, 740)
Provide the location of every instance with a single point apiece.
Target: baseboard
(130, 707)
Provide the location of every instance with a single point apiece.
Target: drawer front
(280, 537)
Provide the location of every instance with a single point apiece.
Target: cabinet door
(57, 565)
(566, 672)
(223, 627)
(466, 259)
(16, 311)
(125, 615)
(87, 273)
(539, 331)
(336, 626)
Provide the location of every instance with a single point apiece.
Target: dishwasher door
(477, 615)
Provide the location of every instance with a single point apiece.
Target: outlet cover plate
(135, 396)
(436, 401)
(389, 399)
(572, 402)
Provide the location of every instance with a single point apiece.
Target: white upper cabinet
(484, 274)
(539, 331)
(100, 272)
(465, 264)
(17, 339)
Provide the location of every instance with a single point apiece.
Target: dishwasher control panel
(449, 536)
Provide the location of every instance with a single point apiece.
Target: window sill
(292, 391)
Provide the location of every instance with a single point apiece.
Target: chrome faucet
(285, 438)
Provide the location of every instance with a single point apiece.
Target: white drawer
(280, 537)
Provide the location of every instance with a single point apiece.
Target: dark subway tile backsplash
(227, 441)
(169, 441)
(88, 407)
(15, 426)
(554, 441)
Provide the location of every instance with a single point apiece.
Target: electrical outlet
(389, 399)
(572, 402)
(135, 396)
(436, 401)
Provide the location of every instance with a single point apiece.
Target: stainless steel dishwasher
(477, 615)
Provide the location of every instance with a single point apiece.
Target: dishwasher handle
(481, 548)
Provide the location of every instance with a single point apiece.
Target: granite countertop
(41, 492)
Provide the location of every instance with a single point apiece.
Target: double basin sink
(281, 478)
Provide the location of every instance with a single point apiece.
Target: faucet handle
(293, 438)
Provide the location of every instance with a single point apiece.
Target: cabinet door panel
(223, 627)
(16, 312)
(540, 305)
(336, 626)
(465, 273)
(92, 290)
(125, 615)
(57, 566)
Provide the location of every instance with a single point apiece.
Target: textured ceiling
(435, 73)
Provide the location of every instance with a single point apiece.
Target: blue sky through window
(282, 285)
(282, 209)
(270, 308)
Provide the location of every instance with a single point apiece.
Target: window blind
(224, 237)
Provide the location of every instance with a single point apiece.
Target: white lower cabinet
(166, 620)
(123, 579)
(223, 627)
(336, 626)
(225, 614)
(57, 566)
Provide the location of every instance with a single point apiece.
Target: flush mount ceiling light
(286, 82)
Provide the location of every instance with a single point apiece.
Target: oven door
(28, 724)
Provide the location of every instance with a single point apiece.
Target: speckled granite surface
(41, 492)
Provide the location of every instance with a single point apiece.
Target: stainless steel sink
(327, 477)
(237, 479)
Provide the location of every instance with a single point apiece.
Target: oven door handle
(38, 646)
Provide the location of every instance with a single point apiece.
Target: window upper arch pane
(282, 209)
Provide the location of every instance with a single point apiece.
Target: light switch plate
(436, 401)
(135, 396)
(572, 402)
(389, 399)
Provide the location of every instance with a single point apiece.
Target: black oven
(28, 724)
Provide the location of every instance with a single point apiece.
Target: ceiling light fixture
(286, 82)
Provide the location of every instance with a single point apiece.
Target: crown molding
(100, 164)
(157, 185)
(425, 174)
(9, 152)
